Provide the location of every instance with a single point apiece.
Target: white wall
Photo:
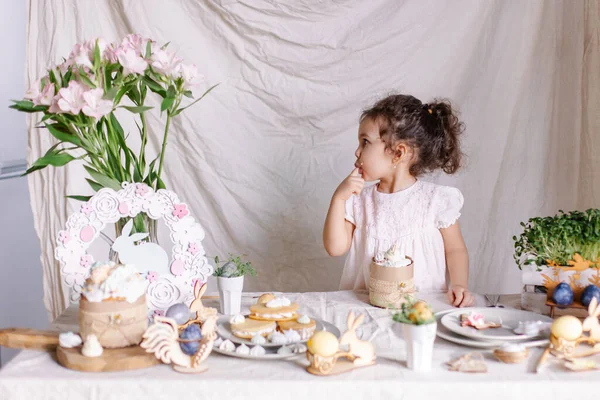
(21, 293)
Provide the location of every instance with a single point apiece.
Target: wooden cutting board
(124, 359)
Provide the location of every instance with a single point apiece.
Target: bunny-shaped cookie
(591, 323)
(145, 256)
(361, 349)
(202, 313)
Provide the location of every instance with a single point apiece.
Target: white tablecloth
(36, 375)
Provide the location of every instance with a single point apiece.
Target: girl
(400, 139)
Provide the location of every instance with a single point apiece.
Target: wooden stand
(122, 359)
(342, 365)
(575, 305)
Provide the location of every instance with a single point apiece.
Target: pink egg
(123, 208)
(87, 233)
(177, 267)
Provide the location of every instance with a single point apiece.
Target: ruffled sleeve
(449, 203)
(350, 210)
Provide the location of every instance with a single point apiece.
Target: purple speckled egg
(179, 312)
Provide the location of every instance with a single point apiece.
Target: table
(35, 375)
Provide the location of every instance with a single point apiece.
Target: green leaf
(59, 132)
(56, 158)
(86, 79)
(154, 86)
(188, 93)
(171, 91)
(179, 111)
(166, 103)
(27, 106)
(148, 49)
(160, 184)
(52, 76)
(111, 93)
(79, 198)
(97, 58)
(138, 109)
(94, 185)
(102, 179)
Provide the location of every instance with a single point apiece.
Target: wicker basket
(511, 357)
(116, 323)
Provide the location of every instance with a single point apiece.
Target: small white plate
(450, 336)
(271, 352)
(509, 318)
(224, 331)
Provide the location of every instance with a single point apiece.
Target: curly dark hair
(433, 130)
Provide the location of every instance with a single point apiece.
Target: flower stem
(162, 150)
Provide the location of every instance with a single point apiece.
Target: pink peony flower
(190, 75)
(136, 42)
(71, 98)
(180, 211)
(95, 106)
(45, 98)
(132, 62)
(165, 62)
(34, 91)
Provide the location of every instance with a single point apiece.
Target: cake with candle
(391, 279)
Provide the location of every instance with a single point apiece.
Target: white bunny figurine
(591, 323)
(145, 256)
(202, 313)
(361, 349)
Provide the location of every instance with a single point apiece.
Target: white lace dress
(412, 218)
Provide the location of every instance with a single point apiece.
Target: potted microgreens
(568, 244)
(230, 282)
(418, 330)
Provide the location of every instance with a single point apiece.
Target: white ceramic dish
(271, 351)
(509, 318)
(453, 337)
(224, 331)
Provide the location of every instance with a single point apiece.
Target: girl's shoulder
(440, 191)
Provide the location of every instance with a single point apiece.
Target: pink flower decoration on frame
(86, 261)
(193, 248)
(180, 211)
(152, 276)
(64, 237)
(86, 208)
(141, 189)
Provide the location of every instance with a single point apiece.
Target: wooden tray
(575, 305)
(124, 359)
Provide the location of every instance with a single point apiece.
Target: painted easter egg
(567, 327)
(563, 294)
(323, 343)
(179, 312)
(192, 332)
(589, 293)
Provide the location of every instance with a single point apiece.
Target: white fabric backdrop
(259, 159)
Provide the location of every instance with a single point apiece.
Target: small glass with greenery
(414, 313)
(233, 267)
